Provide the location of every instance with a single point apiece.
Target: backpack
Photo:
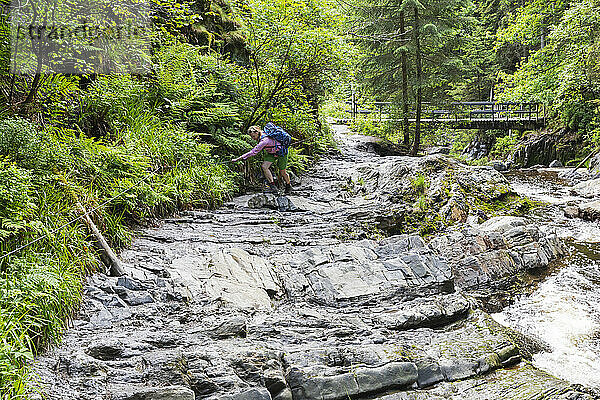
(282, 138)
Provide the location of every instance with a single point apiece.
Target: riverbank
(328, 301)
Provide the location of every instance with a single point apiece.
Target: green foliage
(16, 203)
(21, 143)
(504, 145)
(297, 55)
(201, 91)
(367, 126)
(564, 74)
(419, 184)
(336, 109)
(38, 295)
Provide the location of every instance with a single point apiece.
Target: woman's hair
(254, 128)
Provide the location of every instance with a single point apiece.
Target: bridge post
(353, 107)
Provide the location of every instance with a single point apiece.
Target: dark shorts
(279, 162)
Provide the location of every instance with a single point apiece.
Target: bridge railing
(474, 111)
(490, 111)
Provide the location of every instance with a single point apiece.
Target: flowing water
(564, 310)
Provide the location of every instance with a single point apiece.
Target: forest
(134, 109)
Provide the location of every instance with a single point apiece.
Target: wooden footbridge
(467, 115)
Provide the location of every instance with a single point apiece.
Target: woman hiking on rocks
(275, 141)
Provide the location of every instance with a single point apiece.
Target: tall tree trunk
(405, 124)
(419, 66)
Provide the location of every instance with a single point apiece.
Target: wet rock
(506, 353)
(590, 211)
(429, 373)
(556, 164)
(163, 393)
(131, 283)
(389, 376)
(499, 166)
(360, 381)
(589, 189)
(458, 370)
(571, 211)
(307, 387)
(233, 327)
(106, 349)
(524, 382)
(488, 363)
(252, 394)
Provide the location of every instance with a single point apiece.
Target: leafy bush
(504, 145)
(16, 206)
(367, 126)
(21, 142)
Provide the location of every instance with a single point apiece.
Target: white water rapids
(564, 310)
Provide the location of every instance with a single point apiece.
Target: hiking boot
(288, 188)
(272, 189)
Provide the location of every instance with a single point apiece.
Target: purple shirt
(267, 143)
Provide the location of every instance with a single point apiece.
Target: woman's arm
(261, 145)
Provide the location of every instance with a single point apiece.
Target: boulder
(360, 381)
(499, 166)
(589, 189)
(235, 326)
(590, 211)
(556, 164)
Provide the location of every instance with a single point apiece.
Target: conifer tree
(401, 64)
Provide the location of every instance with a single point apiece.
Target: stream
(564, 310)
